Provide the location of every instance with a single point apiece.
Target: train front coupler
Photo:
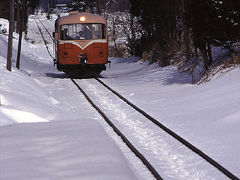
(82, 57)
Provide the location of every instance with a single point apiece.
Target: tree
(158, 19)
(4, 9)
(22, 17)
(213, 22)
(170, 26)
(10, 36)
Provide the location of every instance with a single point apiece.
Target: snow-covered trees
(83, 5)
(124, 34)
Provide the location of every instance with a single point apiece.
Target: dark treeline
(170, 26)
(159, 21)
(30, 5)
(4, 6)
(164, 28)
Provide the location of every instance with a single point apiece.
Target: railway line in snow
(43, 32)
(147, 138)
(155, 172)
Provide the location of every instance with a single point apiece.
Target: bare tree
(10, 37)
(21, 31)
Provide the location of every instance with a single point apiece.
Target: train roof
(74, 17)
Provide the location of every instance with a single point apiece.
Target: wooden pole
(10, 36)
(20, 33)
(18, 18)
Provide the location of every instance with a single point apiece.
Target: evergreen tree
(206, 22)
(33, 3)
(228, 14)
(158, 19)
(213, 22)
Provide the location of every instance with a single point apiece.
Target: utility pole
(10, 36)
(20, 32)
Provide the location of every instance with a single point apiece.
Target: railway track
(45, 41)
(144, 160)
(50, 35)
(125, 140)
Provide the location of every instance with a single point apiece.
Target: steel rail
(125, 140)
(176, 136)
(45, 42)
(46, 29)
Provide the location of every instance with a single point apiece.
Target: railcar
(81, 44)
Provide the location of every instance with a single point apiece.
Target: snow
(48, 130)
(60, 150)
(207, 115)
(3, 25)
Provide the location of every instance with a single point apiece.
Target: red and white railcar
(81, 44)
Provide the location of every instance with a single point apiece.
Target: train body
(81, 44)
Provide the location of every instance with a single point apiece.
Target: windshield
(82, 31)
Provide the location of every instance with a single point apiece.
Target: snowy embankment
(49, 131)
(207, 115)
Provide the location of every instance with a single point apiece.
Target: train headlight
(82, 18)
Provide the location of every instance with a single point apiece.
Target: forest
(197, 36)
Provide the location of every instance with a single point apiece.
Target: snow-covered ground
(49, 131)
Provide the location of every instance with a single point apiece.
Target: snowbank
(4, 26)
(47, 129)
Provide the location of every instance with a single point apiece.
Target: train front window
(82, 31)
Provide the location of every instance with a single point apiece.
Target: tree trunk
(18, 18)
(209, 50)
(98, 7)
(185, 34)
(186, 42)
(114, 35)
(205, 57)
(20, 33)
(196, 52)
(10, 36)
